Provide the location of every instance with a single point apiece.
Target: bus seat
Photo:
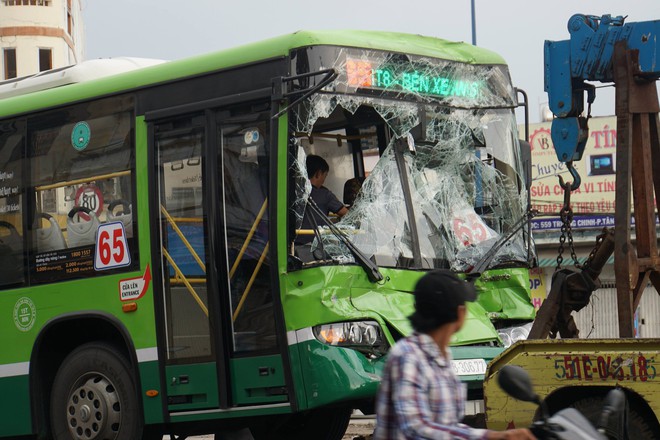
(50, 238)
(13, 239)
(83, 231)
(11, 255)
(306, 255)
(124, 214)
(351, 189)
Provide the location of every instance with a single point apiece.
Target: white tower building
(38, 35)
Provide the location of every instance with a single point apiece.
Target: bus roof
(80, 88)
(76, 73)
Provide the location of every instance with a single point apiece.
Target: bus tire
(94, 396)
(638, 427)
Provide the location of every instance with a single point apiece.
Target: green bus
(152, 280)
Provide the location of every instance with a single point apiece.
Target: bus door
(243, 154)
(189, 292)
(221, 345)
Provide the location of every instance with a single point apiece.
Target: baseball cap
(437, 297)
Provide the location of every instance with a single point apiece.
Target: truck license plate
(466, 367)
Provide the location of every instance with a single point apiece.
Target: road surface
(359, 428)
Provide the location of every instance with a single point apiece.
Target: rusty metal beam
(655, 158)
(623, 246)
(637, 157)
(571, 291)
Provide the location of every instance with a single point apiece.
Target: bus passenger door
(186, 283)
(218, 287)
(243, 154)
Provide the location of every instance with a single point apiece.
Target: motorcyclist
(420, 396)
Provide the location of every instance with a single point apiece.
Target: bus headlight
(510, 335)
(364, 336)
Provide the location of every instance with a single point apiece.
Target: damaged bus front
(423, 150)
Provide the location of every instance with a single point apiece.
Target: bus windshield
(431, 158)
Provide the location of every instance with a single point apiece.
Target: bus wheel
(94, 396)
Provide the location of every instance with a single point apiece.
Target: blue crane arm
(588, 56)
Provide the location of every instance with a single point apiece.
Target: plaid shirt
(420, 397)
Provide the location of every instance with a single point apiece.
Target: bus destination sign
(408, 79)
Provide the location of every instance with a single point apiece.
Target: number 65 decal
(111, 247)
(469, 228)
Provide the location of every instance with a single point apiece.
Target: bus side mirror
(526, 158)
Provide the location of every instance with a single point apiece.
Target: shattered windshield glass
(433, 151)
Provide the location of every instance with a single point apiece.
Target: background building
(38, 35)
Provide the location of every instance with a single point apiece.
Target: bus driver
(317, 172)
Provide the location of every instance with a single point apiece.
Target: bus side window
(12, 261)
(82, 159)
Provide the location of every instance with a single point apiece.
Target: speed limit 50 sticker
(111, 247)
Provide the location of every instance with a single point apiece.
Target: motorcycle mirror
(516, 383)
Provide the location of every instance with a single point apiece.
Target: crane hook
(576, 178)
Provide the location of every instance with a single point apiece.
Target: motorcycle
(568, 423)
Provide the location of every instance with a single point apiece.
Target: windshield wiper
(483, 263)
(369, 266)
